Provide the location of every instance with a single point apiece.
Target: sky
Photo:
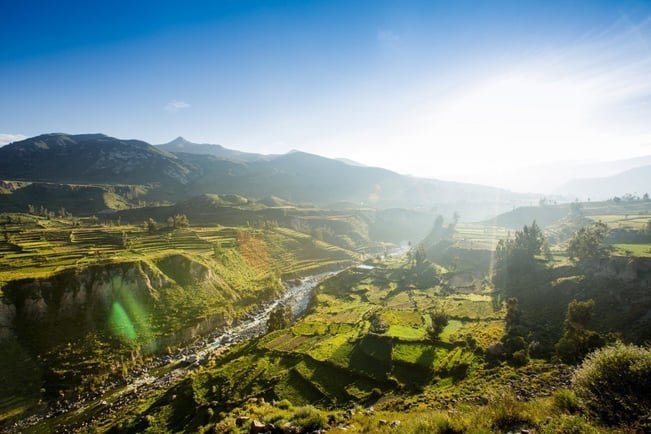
(492, 92)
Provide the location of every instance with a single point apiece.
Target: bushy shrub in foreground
(309, 419)
(614, 384)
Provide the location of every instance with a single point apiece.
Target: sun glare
(500, 117)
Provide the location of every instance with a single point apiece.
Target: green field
(477, 236)
(638, 250)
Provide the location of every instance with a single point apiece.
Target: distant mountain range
(595, 180)
(636, 181)
(180, 169)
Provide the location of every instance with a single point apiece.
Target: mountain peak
(180, 141)
(184, 146)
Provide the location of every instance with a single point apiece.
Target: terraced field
(476, 236)
(46, 249)
(365, 334)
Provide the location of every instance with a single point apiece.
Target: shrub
(565, 401)
(568, 424)
(309, 419)
(613, 384)
(284, 404)
(505, 412)
(520, 358)
(431, 423)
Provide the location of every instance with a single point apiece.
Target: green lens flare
(120, 323)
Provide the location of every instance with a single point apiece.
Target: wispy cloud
(388, 38)
(6, 138)
(174, 106)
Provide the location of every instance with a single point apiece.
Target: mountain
(91, 158)
(635, 181)
(298, 177)
(181, 145)
(301, 177)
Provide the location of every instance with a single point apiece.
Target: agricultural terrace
(366, 332)
(32, 247)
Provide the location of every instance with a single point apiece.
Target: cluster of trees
(518, 272)
(179, 221)
(628, 197)
(588, 243)
(417, 256)
(44, 212)
(280, 318)
(516, 257)
(575, 343)
(577, 340)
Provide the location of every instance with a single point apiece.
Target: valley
(325, 217)
(183, 305)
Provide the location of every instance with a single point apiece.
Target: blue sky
(472, 91)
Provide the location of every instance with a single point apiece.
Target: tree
(378, 324)
(217, 249)
(587, 242)
(516, 257)
(151, 225)
(419, 255)
(126, 242)
(279, 318)
(513, 317)
(438, 321)
(513, 339)
(179, 221)
(577, 339)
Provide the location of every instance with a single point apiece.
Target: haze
(497, 93)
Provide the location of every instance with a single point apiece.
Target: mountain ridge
(182, 145)
(298, 177)
(632, 181)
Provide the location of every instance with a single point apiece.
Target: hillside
(548, 215)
